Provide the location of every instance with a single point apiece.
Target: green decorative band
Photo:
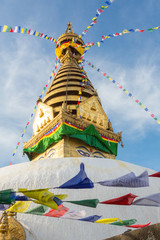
(89, 135)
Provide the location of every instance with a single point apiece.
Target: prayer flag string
(124, 90)
(53, 73)
(125, 31)
(99, 12)
(19, 29)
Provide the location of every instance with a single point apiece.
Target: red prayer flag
(11, 30)
(100, 10)
(141, 30)
(124, 200)
(139, 225)
(57, 213)
(116, 34)
(155, 175)
(29, 31)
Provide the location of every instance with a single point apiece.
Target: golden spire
(69, 28)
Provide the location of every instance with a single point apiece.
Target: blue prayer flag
(79, 181)
(91, 218)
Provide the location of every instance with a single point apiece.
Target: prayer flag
(74, 215)
(38, 194)
(88, 203)
(57, 213)
(40, 210)
(125, 222)
(128, 180)
(21, 198)
(79, 181)
(155, 175)
(4, 28)
(7, 196)
(106, 220)
(43, 196)
(20, 207)
(125, 31)
(124, 200)
(139, 225)
(151, 200)
(91, 218)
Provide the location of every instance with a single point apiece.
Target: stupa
(58, 114)
(71, 127)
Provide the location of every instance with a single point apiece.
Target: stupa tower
(70, 120)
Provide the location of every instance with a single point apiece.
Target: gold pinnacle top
(69, 45)
(69, 28)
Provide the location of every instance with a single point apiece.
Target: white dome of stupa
(50, 173)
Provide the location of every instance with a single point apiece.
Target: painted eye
(98, 154)
(83, 153)
(51, 152)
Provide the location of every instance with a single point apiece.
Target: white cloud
(142, 81)
(24, 72)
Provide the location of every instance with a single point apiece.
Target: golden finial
(69, 28)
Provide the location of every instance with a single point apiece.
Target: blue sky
(132, 59)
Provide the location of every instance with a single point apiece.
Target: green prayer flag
(5, 196)
(40, 210)
(88, 203)
(8, 29)
(150, 29)
(25, 32)
(125, 222)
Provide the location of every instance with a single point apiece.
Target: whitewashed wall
(49, 173)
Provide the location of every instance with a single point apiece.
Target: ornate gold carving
(11, 229)
(110, 126)
(41, 114)
(48, 119)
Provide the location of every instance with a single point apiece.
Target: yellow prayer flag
(110, 79)
(38, 194)
(107, 37)
(88, 27)
(19, 207)
(50, 202)
(125, 31)
(42, 91)
(33, 110)
(94, 18)
(37, 33)
(4, 28)
(143, 106)
(98, 43)
(105, 6)
(22, 30)
(79, 36)
(46, 37)
(126, 92)
(156, 27)
(52, 74)
(80, 92)
(158, 122)
(106, 220)
(15, 151)
(54, 40)
(61, 196)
